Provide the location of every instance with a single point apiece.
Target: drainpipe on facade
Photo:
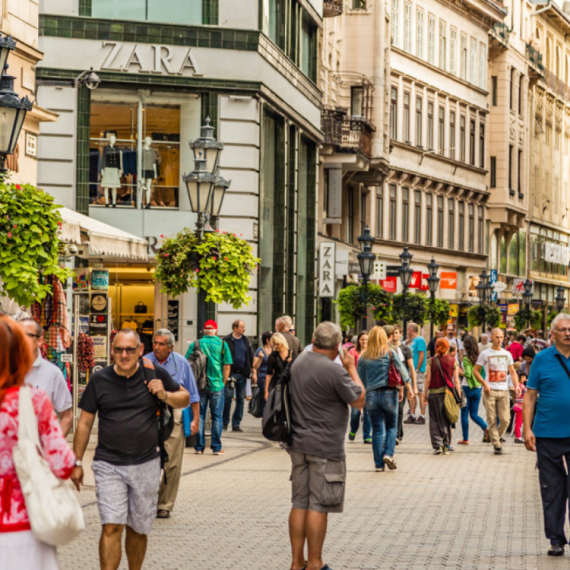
(378, 81)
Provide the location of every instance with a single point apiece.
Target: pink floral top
(13, 515)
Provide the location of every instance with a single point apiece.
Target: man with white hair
(282, 325)
(180, 371)
(548, 432)
(484, 344)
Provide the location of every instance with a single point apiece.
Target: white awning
(102, 238)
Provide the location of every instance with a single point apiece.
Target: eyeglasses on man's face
(563, 331)
(128, 349)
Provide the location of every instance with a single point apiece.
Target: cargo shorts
(318, 484)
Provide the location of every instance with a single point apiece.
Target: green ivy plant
(352, 304)
(528, 316)
(220, 265)
(491, 314)
(437, 311)
(29, 222)
(412, 309)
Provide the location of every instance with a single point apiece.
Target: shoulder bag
(394, 376)
(53, 508)
(452, 398)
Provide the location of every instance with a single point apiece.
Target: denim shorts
(128, 494)
(318, 484)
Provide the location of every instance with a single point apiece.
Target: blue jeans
(382, 406)
(355, 422)
(241, 382)
(216, 400)
(471, 409)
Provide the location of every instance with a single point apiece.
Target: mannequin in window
(149, 170)
(112, 170)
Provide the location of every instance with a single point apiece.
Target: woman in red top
(435, 384)
(19, 548)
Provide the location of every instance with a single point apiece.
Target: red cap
(212, 325)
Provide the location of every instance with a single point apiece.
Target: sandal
(463, 442)
(163, 514)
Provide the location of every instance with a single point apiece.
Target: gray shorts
(318, 484)
(128, 494)
(420, 381)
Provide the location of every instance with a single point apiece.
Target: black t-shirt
(128, 433)
(275, 366)
(408, 355)
(431, 347)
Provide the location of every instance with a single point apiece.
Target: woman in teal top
(473, 391)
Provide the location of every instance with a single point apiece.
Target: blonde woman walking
(277, 361)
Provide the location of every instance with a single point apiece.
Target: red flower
(240, 234)
(215, 258)
(226, 258)
(60, 225)
(217, 231)
(197, 270)
(9, 234)
(166, 254)
(161, 236)
(15, 226)
(18, 187)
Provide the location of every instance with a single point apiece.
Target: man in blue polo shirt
(549, 434)
(177, 366)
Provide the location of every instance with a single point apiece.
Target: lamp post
(206, 193)
(527, 298)
(366, 260)
(483, 292)
(560, 299)
(13, 109)
(433, 284)
(405, 272)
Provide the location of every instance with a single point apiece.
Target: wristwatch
(78, 463)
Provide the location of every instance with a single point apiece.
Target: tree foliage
(437, 311)
(29, 244)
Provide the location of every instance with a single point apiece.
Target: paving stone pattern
(470, 510)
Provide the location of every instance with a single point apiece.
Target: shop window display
(119, 170)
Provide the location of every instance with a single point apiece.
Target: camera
(231, 382)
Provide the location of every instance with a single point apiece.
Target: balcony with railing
(557, 85)
(332, 8)
(346, 133)
(534, 58)
(501, 33)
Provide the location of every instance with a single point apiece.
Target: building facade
(251, 67)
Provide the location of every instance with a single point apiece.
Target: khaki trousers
(175, 448)
(497, 404)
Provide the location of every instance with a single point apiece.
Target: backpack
(277, 418)
(164, 416)
(199, 363)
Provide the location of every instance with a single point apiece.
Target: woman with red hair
(19, 548)
(441, 372)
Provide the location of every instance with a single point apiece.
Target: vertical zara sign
(327, 261)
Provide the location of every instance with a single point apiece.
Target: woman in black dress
(277, 361)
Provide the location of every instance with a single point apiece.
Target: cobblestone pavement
(468, 510)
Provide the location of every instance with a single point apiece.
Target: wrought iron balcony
(557, 85)
(534, 58)
(501, 33)
(332, 8)
(346, 133)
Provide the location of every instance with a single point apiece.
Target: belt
(236, 371)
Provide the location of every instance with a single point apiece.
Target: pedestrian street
(470, 510)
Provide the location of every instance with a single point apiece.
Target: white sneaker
(389, 461)
(380, 469)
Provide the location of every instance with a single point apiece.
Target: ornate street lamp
(560, 299)
(207, 147)
(527, 299)
(366, 260)
(405, 272)
(218, 195)
(199, 185)
(7, 44)
(433, 284)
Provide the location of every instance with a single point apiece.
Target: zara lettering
(150, 58)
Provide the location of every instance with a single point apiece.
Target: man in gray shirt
(320, 393)
(48, 377)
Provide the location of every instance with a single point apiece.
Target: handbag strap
(559, 358)
(27, 420)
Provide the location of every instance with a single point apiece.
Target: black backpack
(199, 363)
(164, 415)
(277, 417)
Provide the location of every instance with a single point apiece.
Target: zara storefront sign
(327, 261)
(149, 58)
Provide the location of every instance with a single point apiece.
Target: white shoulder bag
(53, 508)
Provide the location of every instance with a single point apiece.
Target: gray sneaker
(420, 421)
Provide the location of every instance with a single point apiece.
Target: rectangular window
(394, 113)
(462, 138)
(463, 62)
(480, 226)
(359, 4)
(440, 221)
(471, 236)
(441, 131)
(482, 145)
(511, 168)
(408, 27)
(308, 47)
(356, 101)
(417, 216)
(430, 126)
(420, 34)
(512, 89)
(172, 12)
(472, 142)
(405, 214)
(519, 174)
(473, 62)
(419, 120)
(451, 228)
(521, 85)
(453, 50)
(429, 219)
(493, 173)
(494, 90)
(442, 44)
(395, 22)
(407, 117)
(452, 135)
(380, 213)
(393, 211)
(461, 228)
(431, 39)
(482, 66)
(350, 214)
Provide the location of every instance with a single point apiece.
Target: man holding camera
(242, 357)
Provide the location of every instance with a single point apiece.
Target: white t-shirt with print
(496, 364)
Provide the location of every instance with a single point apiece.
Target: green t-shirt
(211, 346)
